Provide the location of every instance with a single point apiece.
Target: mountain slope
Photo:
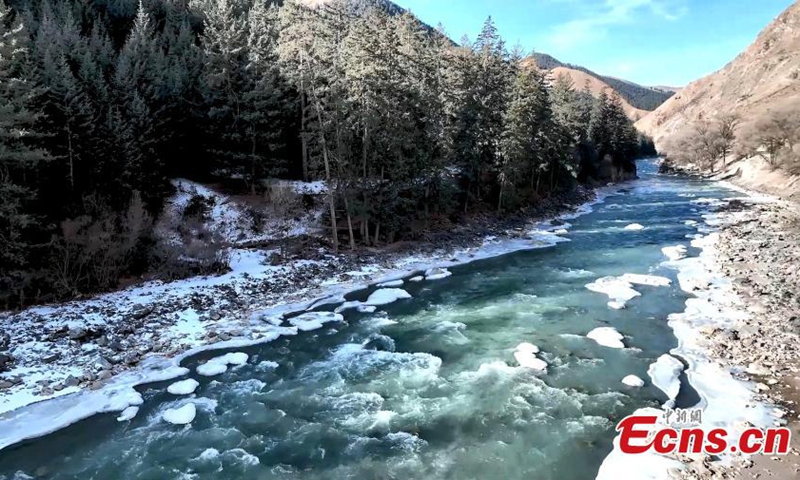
(582, 79)
(763, 77)
(638, 97)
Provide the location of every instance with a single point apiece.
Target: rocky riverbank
(46, 352)
(759, 251)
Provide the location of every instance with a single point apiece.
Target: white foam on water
(528, 348)
(607, 337)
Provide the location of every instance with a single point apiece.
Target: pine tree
(19, 157)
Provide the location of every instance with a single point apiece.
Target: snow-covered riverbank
(78, 359)
(728, 400)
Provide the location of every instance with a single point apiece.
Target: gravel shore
(759, 251)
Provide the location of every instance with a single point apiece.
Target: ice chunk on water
(219, 365)
(616, 305)
(665, 374)
(529, 360)
(386, 296)
(674, 253)
(634, 227)
(649, 280)
(348, 306)
(180, 416)
(212, 369)
(633, 381)
(418, 278)
(437, 274)
(367, 308)
(185, 387)
(607, 337)
(617, 289)
(314, 320)
(528, 348)
(128, 414)
(393, 283)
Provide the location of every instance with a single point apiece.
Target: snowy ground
(85, 357)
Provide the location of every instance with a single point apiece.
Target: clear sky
(651, 42)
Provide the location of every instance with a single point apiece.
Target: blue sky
(652, 42)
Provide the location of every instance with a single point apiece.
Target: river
(426, 388)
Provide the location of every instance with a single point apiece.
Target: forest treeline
(102, 103)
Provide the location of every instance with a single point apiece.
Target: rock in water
(180, 416)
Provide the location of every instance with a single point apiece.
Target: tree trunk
(71, 159)
(349, 223)
(253, 168)
(326, 161)
(303, 139)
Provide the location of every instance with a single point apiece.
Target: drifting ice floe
(649, 280)
(393, 283)
(607, 337)
(616, 305)
(416, 279)
(437, 274)
(367, 308)
(386, 296)
(180, 416)
(619, 291)
(185, 387)
(665, 374)
(219, 365)
(674, 253)
(128, 414)
(634, 227)
(314, 320)
(527, 348)
(633, 381)
(348, 306)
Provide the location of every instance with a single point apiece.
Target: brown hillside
(763, 77)
(596, 86)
